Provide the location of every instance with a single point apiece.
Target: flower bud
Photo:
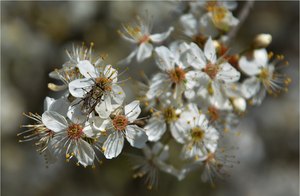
(239, 104)
(262, 41)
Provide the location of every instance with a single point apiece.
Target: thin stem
(242, 17)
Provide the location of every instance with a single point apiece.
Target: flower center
(104, 83)
(218, 14)
(75, 131)
(264, 74)
(210, 158)
(177, 75)
(213, 113)
(170, 114)
(144, 39)
(211, 70)
(197, 134)
(120, 122)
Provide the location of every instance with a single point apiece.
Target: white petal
(250, 87)
(196, 150)
(189, 94)
(164, 58)
(194, 78)
(195, 57)
(159, 37)
(211, 139)
(75, 113)
(101, 124)
(230, 5)
(54, 121)
(104, 109)
(113, 145)
(132, 110)
(259, 97)
(60, 106)
(88, 130)
(178, 132)
(136, 136)
(160, 83)
(118, 94)
(155, 128)
(252, 64)
(178, 49)
(261, 57)
(84, 153)
(79, 88)
(87, 69)
(227, 73)
(202, 121)
(189, 24)
(111, 73)
(144, 52)
(47, 103)
(207, 27)
(210, 51)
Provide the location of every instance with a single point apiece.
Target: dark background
(34, 36)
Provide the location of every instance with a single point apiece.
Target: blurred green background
(34, 37)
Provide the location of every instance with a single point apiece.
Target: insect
(95, 95)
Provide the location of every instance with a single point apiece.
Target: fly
(93, 97)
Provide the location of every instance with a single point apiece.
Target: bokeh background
(34, 37)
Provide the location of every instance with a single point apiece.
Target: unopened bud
(239, 104)
(262, 41)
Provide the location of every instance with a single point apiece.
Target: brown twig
(242, 17)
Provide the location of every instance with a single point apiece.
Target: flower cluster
(189, 106)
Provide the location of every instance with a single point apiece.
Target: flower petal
(210, 51)
(178, 132)
(84, 153)
(189, 24)
(227, 73)
(60, 106)
(87, 69)
(250, 87)
(47, 103)
(105, 108)
(79, 88)
(144, 52)
(132, 110)
(118, 94)
(159, 37)
(101, 124)
(54, 121)
(155, 128)
(113, 145)
(75, 113)
(195, 78)
(211, 139)
(164, 58)
(160, 83)
(207, 27)
(111, 73)
(136, 136)
(251, 64)
(194, 57)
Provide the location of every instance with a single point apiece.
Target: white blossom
(120, 124)
(139, 33)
